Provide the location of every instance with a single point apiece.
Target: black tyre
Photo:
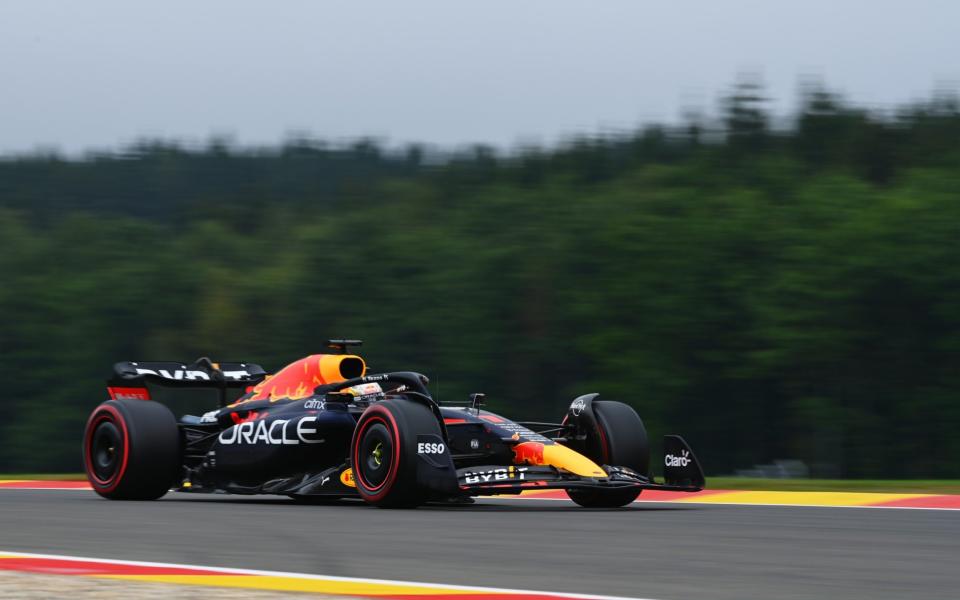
(620, 440)
(383, 452)
(131, 450)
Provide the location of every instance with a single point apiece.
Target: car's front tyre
(383, 452)
(620, 439)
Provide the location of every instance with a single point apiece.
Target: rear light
(128, 393)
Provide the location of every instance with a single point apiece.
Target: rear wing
(130, 378)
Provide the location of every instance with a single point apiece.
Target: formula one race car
(322, 428)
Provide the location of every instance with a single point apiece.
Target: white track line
(233, 571)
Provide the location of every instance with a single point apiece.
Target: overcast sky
(97, 73)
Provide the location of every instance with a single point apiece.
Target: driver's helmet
(365, 392)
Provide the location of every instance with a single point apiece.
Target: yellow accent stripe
(798, 498)
(831, 499)
(296, 584)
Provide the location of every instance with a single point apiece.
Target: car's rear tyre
(383, 452)
(619, 440)
(131, 450)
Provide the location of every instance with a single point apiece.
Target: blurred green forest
(768, 289)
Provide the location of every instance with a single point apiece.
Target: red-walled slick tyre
(131, 450)
(621, 439)
(383, 452)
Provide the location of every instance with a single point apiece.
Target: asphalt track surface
(663, 551)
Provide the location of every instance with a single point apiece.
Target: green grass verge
(914, 486)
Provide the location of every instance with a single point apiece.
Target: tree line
(767, 291)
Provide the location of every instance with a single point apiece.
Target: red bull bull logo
(251, 416)
(528, 453)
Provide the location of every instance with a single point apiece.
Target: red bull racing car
(323, 428)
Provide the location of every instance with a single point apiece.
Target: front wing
(497, 479)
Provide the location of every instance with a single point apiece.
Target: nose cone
(555, 455)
